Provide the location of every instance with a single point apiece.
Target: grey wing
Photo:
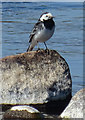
(37, 27)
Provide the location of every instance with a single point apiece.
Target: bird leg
(45, 46)
(38, 46)
(46, 50)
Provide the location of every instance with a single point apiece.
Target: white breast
(44, 35)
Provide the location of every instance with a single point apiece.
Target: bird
(42, 30)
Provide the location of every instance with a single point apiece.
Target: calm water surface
(19, 18)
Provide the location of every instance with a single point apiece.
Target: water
(19, 18)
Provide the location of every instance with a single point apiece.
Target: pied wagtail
(42, 31)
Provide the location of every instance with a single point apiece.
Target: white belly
(44, 35)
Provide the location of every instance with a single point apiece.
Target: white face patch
(46, 17)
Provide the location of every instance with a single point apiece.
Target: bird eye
(46, 16)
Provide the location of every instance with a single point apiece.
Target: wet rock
(36, 77)
(76, 108)
(22, 112)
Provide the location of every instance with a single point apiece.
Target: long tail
(30, 48)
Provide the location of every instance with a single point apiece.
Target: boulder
(76, 108)
(22, 112)
(36, 77)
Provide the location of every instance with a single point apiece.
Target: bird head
(46, 16)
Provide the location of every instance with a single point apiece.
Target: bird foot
(47, 51)
(39, 49)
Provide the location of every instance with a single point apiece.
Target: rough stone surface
(34, 77)
(76, 107)
(22, 112)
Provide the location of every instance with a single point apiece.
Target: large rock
(76, 107)
(35, 77)
(22, 112)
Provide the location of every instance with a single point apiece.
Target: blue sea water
(18, 19)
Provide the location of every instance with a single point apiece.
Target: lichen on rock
(34, 77)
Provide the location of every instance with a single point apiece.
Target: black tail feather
(29, 48)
